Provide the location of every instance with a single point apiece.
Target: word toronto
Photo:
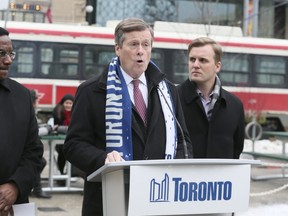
(202, 191)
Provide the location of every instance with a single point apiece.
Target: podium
(175, 187)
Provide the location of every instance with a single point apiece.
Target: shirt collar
(128, 79)
(202, 95)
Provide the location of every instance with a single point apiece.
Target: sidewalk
(266, 200)
(59, 205)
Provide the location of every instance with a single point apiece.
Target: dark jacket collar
(191, 94)
(5, 84)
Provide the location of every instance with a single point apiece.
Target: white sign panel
(188, 189)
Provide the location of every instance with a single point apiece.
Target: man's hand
(8, 196)
(113, 156)
(9, 212)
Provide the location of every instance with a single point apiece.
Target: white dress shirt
(142, 86)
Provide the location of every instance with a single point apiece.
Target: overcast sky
(4, 4)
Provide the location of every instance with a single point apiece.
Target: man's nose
(7, 59)
(196, 63)
(140, 50)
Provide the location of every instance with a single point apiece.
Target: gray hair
(129, 25)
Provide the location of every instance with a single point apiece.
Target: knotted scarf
(118, 115)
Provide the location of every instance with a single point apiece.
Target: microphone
(178, 124)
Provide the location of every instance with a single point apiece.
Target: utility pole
(90, 9)
(7, 14)
(250, 20)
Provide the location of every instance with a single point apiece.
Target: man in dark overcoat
(106, 124)
(214, 117)
(20, 147)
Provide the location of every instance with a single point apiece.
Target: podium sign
(175, 187)
(193, 189)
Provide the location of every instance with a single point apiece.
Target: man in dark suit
(107, 122)
(214, 117)
(20, 148)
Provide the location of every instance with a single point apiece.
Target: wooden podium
(175, 187)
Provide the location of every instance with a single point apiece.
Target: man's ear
(117, 48)
(218, 66)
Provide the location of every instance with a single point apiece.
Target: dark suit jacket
(86, 143)
(20, 148)
(223, 136)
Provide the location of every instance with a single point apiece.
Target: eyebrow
(2, 50)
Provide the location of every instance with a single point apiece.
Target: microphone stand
(178, 124)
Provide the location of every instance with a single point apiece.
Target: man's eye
(146, 45)
(2, 53)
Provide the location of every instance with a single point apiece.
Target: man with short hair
(125, 113)
(214, 117)
(20, 147)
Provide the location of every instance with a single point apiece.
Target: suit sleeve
(81, 146)
(30, 162)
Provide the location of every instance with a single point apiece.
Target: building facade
(51, 11)
(257, 18)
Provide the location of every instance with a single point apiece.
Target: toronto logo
(159, 191)
(191, 191)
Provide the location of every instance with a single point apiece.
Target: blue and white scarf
(118, 115)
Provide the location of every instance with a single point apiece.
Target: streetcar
(54, 59)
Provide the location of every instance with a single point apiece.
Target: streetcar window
(180, 66)
(105, 57)
(70, 60)
(158, 58)
(270, 70)
(23, 64)
(69, 56)
(46, 54)
(59, 61)
(25, 60)
(234, 69)
(96, 58)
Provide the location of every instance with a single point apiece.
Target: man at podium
(129, 112)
